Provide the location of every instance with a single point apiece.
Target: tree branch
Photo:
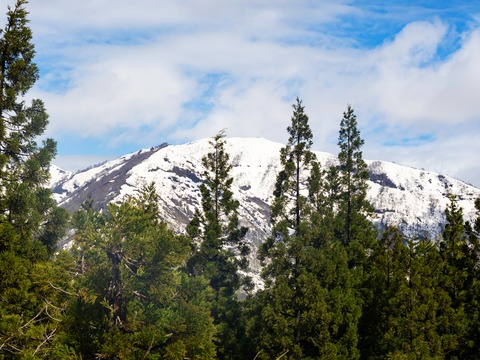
(48, 338)
(59, 289)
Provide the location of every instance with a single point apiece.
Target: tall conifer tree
(218, 240)
(307, 309)
(460, 251)
(297, 160)
(353, 173)
(472, 295)
(30, 222)
(285, 250)
(24, 166)
(454, 249)
(353, 226)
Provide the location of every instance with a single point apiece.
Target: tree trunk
(115, 288)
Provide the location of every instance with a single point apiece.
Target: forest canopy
(334, 286)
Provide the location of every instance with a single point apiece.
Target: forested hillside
(131, 288)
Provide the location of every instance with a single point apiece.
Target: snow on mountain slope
(413, 199)
(58, 176)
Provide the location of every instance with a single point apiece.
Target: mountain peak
(412, 199)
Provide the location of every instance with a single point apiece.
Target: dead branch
(59, 289)
(48, 338)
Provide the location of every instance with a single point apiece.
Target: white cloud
(124, 90)
(139, 69)
(412, 86)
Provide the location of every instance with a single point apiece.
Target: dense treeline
(130, 288)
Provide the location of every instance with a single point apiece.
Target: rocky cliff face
(413, 199)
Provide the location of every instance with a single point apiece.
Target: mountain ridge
(413, 199)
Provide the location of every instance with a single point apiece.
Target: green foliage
(353, 176)
(132, 289)
(24, 166)
(460, 252)
(384, 276)
(454, 249)
(297, 160)
(407, 313)
(216, 226)
(219, 248)
(422, 322)
(472, 294)
(132, 299)
(312, 314)
(309, 307)
(32, 299)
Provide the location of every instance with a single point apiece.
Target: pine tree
(297, 160)
(30, 222)
(284, 253)
(459, 248)
(422, 322)
(307, 311)
(219, 247)
(354, 227)
(308, 308)
(472, 295)
(24, 166)
(353, 172)
(454, 250)
(132, 299)
(385, 275)
(406, 311)
(286, 249)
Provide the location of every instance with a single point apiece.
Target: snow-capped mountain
(413, 199)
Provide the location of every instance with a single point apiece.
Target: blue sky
(119, 75)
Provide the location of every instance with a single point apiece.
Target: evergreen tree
(453, 248)
(353, 226)
(30, 222)
(284, 253)
(472, 295)
(385, 275)
(459, 248)
(406, 313)
(132, 300)
(308, 308)
(419, 296)
(24, 166)
(297, 159)
(219, 248)
(353, 176)
(422, 322)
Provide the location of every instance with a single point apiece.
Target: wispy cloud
(134, 74)
(411, 142)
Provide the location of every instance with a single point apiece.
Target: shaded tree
(219, 247)
(308, 308)
(453, 247)
(132, 301)
(30, 222)
(353, 218)
(385, 275)
(353, 176)
(459, 249)
(24, 165)
(297, 159)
